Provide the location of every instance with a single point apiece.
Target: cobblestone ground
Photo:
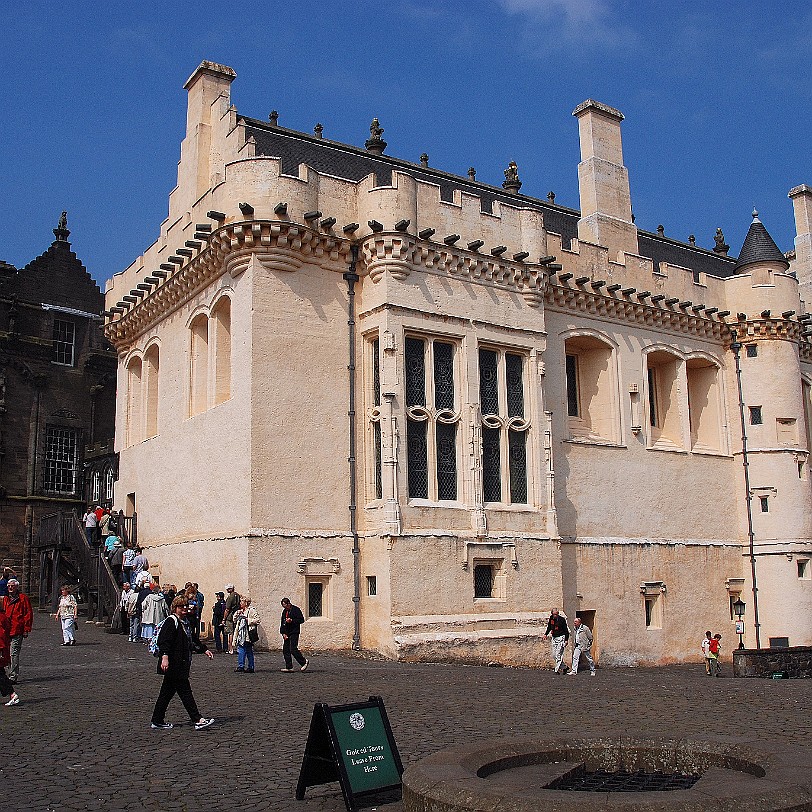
(80, 738)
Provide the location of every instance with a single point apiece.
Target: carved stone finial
(719, 239)
(375, 143)
(512, 182)
(61, 231)
(424, 159)
(471, 173)
(551, 197)
(273, 117)
(661, 230)
(318, 130)
(692, 239)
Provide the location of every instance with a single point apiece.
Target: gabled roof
(759, 246)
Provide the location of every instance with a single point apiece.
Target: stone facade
(539, 405)
(57, 394)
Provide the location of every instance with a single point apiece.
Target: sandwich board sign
(352, 744)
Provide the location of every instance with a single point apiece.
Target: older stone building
(539, 405)
(57, 395)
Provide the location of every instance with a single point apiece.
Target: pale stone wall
(620, 514)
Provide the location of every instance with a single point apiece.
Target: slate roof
(345, 161)
(759, 246)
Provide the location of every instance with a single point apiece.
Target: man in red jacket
(6, 687)
(21, 619)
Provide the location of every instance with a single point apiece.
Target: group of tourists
(559, 633)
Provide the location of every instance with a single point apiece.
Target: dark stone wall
(36, 393)
(795, 662)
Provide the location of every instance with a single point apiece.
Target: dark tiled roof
(759, 246)
(345, 161)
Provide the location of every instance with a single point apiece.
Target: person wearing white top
(66, 614)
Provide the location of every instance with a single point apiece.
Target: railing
(63, 534)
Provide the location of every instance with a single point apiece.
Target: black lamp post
(738, 610)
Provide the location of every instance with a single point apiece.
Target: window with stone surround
(199, 365)
(133, 403)
(704, 405)
(64, 342)
(662, 379)
(489, 579)
(221, 319)
(432, 419)
(61, 460)
(151, 366)
(591, 389)
(375, 464)
(505, 429)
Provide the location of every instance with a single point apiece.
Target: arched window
(199, 366)
(591, 391)
(107, 485)
(662, 379)
(152, 362)
(134, 369)
(703, 405)
(222, 347)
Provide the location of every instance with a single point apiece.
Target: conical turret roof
(759, 246)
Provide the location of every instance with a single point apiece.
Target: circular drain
(531, 775)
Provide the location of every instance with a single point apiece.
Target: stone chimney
(603, 181)
(801, 197)
(208, 85)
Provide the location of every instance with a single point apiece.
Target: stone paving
(80, 738)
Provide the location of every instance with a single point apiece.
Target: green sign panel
(365, 749)
(354, 745)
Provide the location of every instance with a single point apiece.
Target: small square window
(755, 416)
(752, 350)
(483, 581)
(804, 570)
(372, 585)
(765, 504)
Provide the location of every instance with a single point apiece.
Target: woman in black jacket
(175, 652)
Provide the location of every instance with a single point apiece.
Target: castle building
(429, 409)
(57, 397)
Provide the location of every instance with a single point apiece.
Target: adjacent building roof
(294, 148)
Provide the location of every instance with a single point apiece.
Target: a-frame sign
(354, 745)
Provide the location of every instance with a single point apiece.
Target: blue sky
(716, 98)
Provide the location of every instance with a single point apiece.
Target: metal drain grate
(602, 781)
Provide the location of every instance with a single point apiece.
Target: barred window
(432, 419)
(504, 427)
(61, 462)
(64, 337)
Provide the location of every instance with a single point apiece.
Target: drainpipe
(736, 346)
(351, 278)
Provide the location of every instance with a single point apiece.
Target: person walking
(18, 607)
(127, 562)
(175, 652)
(127, 595)
(6, 685)
(715, 650)
(245, 635)
(290, 628)
(153, 612)
(91, 525)
(66, 615)
(232, 606)
(217, 612)
(559, 632)
(583, 643)
(706, 651)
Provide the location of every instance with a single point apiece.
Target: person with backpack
(153, 611)
(174, 650)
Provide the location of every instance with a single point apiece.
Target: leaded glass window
(483, 581)
(504, 426)
(572, 386)
(431, 430)
(376, 424)
(315, 599)
(61, 460)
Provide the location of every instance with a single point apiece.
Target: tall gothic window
(61, 460)
(504, 427)
(432, 419)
